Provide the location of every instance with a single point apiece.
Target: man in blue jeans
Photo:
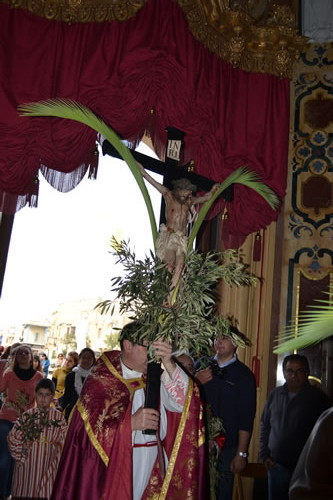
(230, 390)
(287, 420)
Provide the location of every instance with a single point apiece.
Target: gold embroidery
(175, 449)
(191, 463)
(192, 437)
(177, 480)
(201, 438)
(92, 437)
(113, 409)
(102, 417)
(257, 38)
(81, 11)
(132, 384)
(201, 430)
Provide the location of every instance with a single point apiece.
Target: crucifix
(170, 169)
(178, 203)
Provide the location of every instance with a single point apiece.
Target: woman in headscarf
(17, 383)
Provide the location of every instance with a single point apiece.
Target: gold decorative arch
(254, 35)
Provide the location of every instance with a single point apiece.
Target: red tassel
(93, 167)
(257, 248)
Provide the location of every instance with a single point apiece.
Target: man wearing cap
(230, 390)
(171, 244)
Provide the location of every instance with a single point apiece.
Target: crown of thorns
(183, 184)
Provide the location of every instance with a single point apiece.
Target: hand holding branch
(164, 351)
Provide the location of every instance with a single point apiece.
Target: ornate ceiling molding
(254, 35)
(80, 11)
(257, 36)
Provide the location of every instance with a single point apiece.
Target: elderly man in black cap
(230, 390)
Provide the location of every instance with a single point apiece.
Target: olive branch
(191, 322)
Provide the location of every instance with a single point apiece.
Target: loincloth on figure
(168, 241)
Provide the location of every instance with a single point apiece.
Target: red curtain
(122, 71)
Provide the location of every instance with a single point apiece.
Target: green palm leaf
(65, 108)
(314, 325)
(241, 176)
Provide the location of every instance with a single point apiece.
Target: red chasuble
(96, 462)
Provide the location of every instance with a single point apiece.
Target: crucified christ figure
(171, 245)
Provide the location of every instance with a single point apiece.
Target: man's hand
(145, 418)
(215, 188)
(269, 463)
(238, 464)
(205, 375)
(164, 351)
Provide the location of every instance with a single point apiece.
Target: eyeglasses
(222, 337)
(142, 345)
(290, 371)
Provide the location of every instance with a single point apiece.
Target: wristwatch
(243, 454)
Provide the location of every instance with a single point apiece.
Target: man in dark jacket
(230, 390)
(289, 415)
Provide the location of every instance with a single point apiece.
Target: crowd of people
(85, 430)
(33, 416)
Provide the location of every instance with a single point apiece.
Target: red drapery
(122, 71)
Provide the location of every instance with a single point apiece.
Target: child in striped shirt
(35, 443)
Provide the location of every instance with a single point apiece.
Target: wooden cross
(170, 169)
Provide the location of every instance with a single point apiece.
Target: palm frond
(240, 176)
(65, 108)
(314, 325)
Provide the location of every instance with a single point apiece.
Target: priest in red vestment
(106, 454)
